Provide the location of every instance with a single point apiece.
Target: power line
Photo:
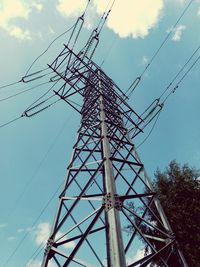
(88, 45)
(187, 72)
(40, 165)
(135, 83)
(173, 90)
(108, 51)
(105, 15)
(27, 185)
(48, 49)
(181, 79)
(35, 254)
(180, 71)
(10, 122)
(10, 84)
(24, 91)
(150, 132)
(35, 102)
(34, 223)
(68, 30)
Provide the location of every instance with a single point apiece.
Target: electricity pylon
(108, 214)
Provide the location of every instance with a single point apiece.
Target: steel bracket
(48, 246)
(110, 202)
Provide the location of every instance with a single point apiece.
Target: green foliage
(179, 193)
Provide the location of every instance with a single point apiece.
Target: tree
(178, 190)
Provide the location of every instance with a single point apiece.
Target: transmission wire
(174, 89)
(108, 51)
(10, 84)
(34, 223)
(134, 84)
(24, 91)
(150, 132)
(47, 49)
(10, 122)
(105, 15)
(171, 92)
(29, 107)
(181, 79)
(54, 40)
(179, 72)
(35, 254)
(39, 165)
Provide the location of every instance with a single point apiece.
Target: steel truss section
(108, 214)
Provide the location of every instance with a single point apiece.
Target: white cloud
(11, 10)
(138, 255)
(178, 2)
(11, 238)
(85, 263)
(90, 17)
(181, 1)
(42, 234)
(75, 8)
(198, 12)
(67, 245)
(132, 18)
(128, 17)
(71, 8)
(177, 32)
(33, 263)
(37, 263)
(3, 225)
(37, 5)
(19, 33)
(28, 229)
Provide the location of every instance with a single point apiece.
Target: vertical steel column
(116, 248)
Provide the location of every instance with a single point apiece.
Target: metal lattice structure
(107, 211)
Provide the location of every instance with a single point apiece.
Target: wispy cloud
(3, 225)
(11, 11)
(42, 233)
(177, 32)
(145, 60)
(11, 238)
(27, 229)
(198, 12)
(51, 30)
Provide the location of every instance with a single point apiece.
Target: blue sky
(35, 151)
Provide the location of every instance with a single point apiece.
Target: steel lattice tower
(107, 209)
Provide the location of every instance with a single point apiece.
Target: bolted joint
(48, 250)
(110, 202)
